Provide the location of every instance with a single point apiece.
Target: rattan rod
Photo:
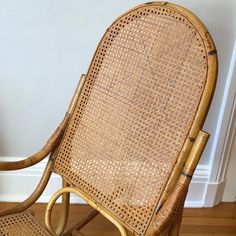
(88, 200)
(35, 195)
(52, 142)
(65, 209)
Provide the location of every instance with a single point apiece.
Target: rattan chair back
(136, 109)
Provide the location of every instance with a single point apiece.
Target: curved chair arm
(35, 195)
(53, 141)
(50, 146)
(78, 192)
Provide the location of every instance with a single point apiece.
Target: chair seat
(22, 224)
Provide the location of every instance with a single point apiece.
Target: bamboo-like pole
(52, 142)
(82, 223)
(171, 212)
(88, 200)
(65, 209)
(212, 70)
(35, 195)
(174, 230)
(50, 146)
(77, 93)
(194, 157)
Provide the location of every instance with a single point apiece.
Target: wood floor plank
(217, 221)
(209, 221)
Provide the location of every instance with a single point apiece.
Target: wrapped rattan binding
(135, 119)
(138, 103)
(171, 212)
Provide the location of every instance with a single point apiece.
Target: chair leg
(76, 233)
(65, 210)
(164, 232)
(82, 223)
(174, 230)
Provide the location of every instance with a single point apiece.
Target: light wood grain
(217, 221)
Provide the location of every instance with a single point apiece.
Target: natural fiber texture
(170, 212)
(55, 139)
(22, 224)
(136, 108)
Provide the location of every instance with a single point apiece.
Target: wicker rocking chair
(132, 137)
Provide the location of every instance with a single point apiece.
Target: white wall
(229, 194)
(46, 44)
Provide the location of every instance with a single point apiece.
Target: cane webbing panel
(22, 224)
(137, 105)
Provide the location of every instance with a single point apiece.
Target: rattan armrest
(52, 142)
(49, 147)
(36, 193)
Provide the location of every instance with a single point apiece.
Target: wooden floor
(217, 221)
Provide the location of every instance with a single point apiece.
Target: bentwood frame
(170, 207)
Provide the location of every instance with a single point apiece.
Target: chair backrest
(137, 107)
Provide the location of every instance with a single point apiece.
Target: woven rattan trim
(139, 100)
(22, 224)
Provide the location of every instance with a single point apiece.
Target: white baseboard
(214, 193)
(16, 186)
(197, 188)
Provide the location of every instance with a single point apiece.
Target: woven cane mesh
(137, 105)
(22, 224)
